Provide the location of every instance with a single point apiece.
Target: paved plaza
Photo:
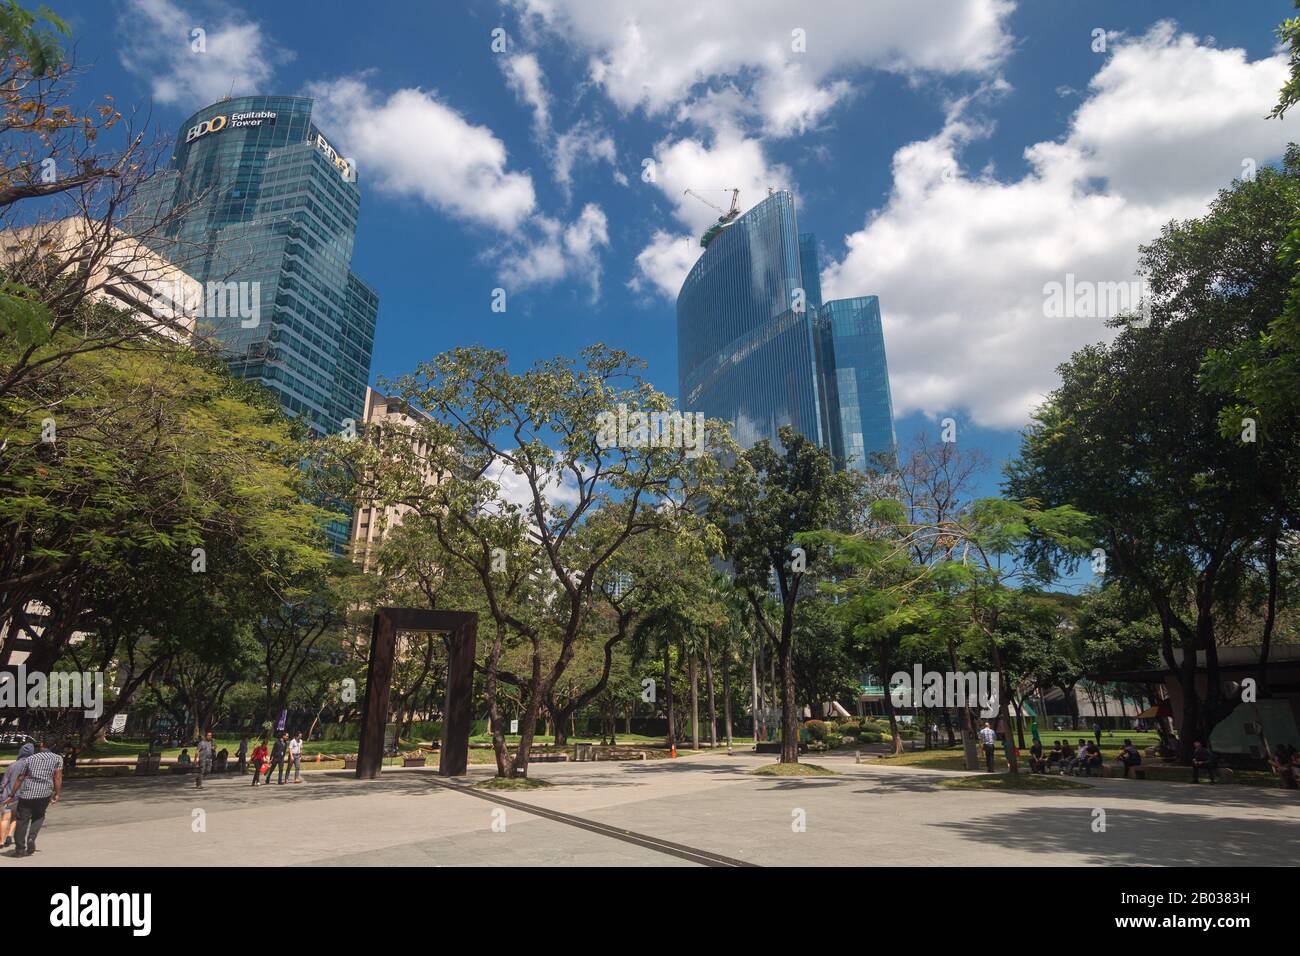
(704, 809)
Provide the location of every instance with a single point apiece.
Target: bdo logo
(214, 125)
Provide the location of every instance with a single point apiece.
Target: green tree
(767, 498)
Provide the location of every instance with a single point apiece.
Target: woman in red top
(259, 758)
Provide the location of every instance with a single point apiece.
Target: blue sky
(951, 156)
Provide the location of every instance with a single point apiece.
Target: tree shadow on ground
(1135, 837)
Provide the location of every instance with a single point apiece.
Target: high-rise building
(372, 520)
(757, 347)
(258, 200)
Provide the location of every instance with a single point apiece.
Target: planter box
(413, 761)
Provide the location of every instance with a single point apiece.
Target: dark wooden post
(456, 713)
(379, 679)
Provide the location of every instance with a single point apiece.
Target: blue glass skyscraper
(264, 197)
(757, 347)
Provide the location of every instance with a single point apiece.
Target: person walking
(989, 739)
(39, 782)
(205, 752)
(259, 758)
(8, 812)
(278, 753)
(1096, 732)
(295, 756)
(241, 755)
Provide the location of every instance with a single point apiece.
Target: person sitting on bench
(1056, 756)
(1092, 759)
(1036, 762)
(1202, 759)
(1129, 756)
(1079, 761)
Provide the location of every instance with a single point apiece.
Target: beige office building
(370, 522)
(118, 269)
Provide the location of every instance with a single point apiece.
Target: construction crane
(725, 219)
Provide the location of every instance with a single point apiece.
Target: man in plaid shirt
(38, 784)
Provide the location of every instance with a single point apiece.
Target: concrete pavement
(867, 815)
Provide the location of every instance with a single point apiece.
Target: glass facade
(860, 375)
(744, 344)
(256, 193)
(751, 353)
(267, 200)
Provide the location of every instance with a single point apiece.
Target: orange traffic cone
(674, 751)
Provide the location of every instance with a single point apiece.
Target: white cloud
(235, 56)
(663, 264)
(959, 261)
(557, 251)
(558, 489)
(583, 143)
(655, 54)
(413, 144)
(730, 161)
(525, 79)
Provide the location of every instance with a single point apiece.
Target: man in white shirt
(989, 739)
(295, 757)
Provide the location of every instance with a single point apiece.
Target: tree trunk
(504, 766)
(713, 706)
(671, 740)
(970, 754)
(726, 692)
(694, 678)
(789, 708)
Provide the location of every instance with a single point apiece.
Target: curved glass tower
(757, 348)
(745, 351)
(255, 192)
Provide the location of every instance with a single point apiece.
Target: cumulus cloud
(960, 260)
(655, 54)
(555, 251)
(729, 161)
(189, 70)
(411, 143)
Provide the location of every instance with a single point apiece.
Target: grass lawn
(930, 759)
(1007, 781)
(792, 770)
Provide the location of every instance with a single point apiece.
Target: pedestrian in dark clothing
(1096, 732)
(242, 753)
(278, 753)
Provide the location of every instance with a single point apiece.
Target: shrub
(817, 729)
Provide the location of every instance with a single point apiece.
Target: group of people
(1082, 759)
(285, 754)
